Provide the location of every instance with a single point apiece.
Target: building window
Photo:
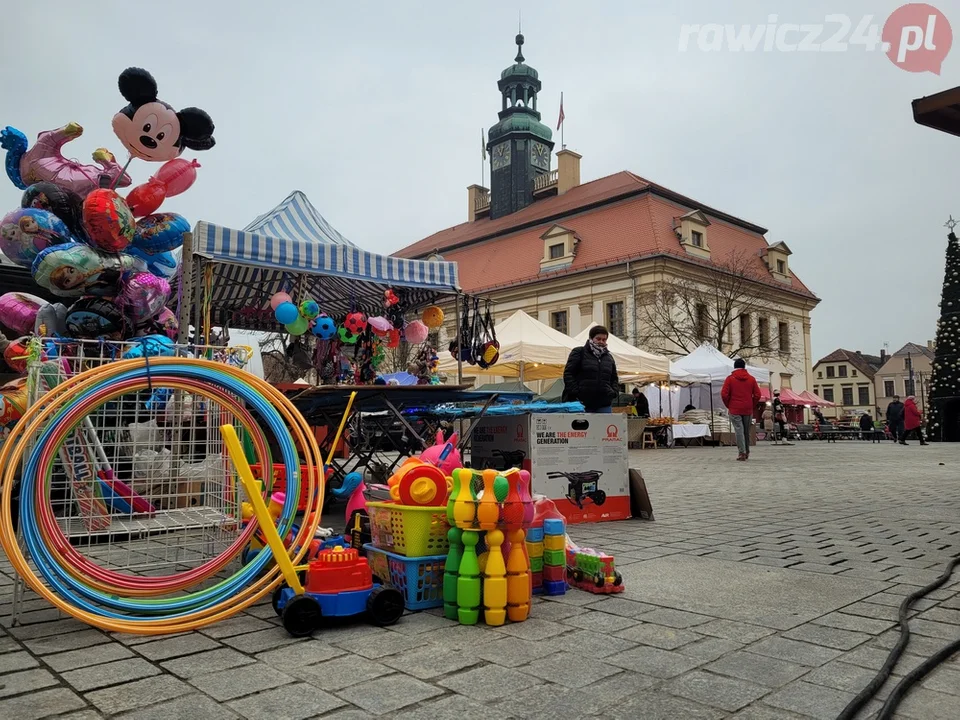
(830, 371)
(889, 389)
(783, 332)
(763, 330)
(556, 251)
(827, 393)
(819, 373)
(558, 321)
(744, 329)
(781, 267)
(863, 392)
(696, 237)
(615, 318)
(847, 395)
(701, 321)
(842, 371)
(853, 373)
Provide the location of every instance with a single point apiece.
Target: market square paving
(765, 589)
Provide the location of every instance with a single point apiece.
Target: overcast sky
(374, 110)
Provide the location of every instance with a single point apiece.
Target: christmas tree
(945, 382)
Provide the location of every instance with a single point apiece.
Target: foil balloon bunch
(110, 257)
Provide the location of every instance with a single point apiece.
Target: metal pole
(456, 315)
(186, 288)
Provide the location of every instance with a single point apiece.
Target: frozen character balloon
(74, 269)
(27, 231)
(45, 163)
(150, 128)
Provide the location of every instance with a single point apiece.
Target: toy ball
(18, 311)
(160, 233)
(93, 317)
(309, 309)
(347, 337)
(324, 327)
(108, 221)
(279, 299)
(15, 354)
(415, 332)
(355, 322)
(298, 327)
(143, 296)
(66, 205)
(286, 313)
(433, 317)
(25, 232)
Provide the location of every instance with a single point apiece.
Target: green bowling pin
(468, 582)
(451, 571)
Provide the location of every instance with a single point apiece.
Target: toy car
(339, 583)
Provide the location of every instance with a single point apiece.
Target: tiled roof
(866, 364)
(914, 349)
(617, 218)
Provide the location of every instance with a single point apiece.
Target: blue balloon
(160, 233)
(15, 143)
(151, 346)
(286, 313)
(164, 265)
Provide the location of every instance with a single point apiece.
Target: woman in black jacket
(590, 375)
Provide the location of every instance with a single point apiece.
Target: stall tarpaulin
(813, 399)
(578, 460)
(708, 362)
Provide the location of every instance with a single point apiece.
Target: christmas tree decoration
(943, 416)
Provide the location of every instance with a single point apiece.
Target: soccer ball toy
(324, 327)
(356, 322)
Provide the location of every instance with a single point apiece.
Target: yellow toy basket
(409, 530)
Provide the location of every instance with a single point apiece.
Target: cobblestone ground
(763, 590)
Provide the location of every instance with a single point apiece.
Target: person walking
(590, 374)
(768, 424)
(741, 393)
(895, 418)
(641, 403)
(912, 420)
(780, 418)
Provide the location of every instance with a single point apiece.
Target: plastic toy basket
(420, 579)
(409, 530)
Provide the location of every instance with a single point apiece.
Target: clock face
(540, 155)
(501, 155)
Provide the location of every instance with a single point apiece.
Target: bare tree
(726, 305)
(277, 365)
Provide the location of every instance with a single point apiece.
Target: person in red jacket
(740, 393)
(912, 421)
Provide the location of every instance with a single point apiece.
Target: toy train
(593, 571)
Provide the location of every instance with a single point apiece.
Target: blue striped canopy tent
(293, 249)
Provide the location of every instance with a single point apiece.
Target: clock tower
(519, 145)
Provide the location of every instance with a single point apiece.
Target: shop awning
(814, 399)
(292, 248)
(787, 396)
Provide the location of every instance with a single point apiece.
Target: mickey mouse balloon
(150, 128)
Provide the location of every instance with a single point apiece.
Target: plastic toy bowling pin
(519, 587)
(526, 498)
(488, 510)
(468, 582)
(495, 581)
(464, 508)
(451, 571)
(512, 515)
(454, 492)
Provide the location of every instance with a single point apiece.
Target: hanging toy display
(390, 298)
(355, 323)
(380, 326)
(309, 309)
(324, 327)
(415, 332)
(347, 337)
(433, 317)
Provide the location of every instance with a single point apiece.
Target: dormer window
(777, 257)
(559, 248)
(691, 229)
(782, 267)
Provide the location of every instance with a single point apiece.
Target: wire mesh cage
(141, 484)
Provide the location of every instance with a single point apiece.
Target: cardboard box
(579, 461)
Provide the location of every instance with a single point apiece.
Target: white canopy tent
(708, 362)
(529, 350)
(633, 364)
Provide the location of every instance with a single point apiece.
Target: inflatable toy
(25, 232)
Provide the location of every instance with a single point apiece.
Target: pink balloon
(44, 162)
(178, 175)
(18, 311)
(167, 320)
(143, 296)
(279, 299)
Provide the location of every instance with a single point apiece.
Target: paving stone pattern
(764, 590)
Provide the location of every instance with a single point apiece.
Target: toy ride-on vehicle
(581, 485)
(339, 583)
(593, 571)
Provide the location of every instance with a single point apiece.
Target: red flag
(560, 121)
